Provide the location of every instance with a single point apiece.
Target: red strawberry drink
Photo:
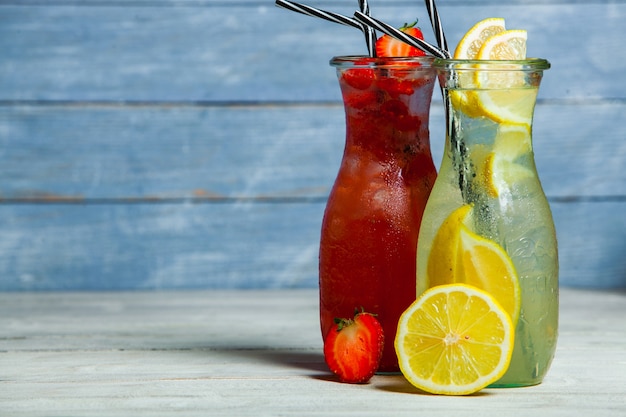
(370, 226)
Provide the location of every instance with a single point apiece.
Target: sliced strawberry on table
(386, 46)
(353, 347)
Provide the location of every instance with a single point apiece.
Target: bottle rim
(528, 64)
(364, 61)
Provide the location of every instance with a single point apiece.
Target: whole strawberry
(386, 46)
(353, 347)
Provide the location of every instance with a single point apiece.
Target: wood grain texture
(234, 245)
(233, 353)
(258, 52)
(192, 143)
(256, 151)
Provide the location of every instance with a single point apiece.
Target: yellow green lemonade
(487, 222)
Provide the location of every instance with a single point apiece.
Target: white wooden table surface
(259, 353)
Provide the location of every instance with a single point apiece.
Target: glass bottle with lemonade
(487, 222)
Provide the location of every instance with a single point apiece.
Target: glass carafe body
(372, 218)
(488, 221)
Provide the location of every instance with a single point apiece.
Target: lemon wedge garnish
(474, 38)
(509, 44)
(455, 340)
(468, 48)
(500, 95)
(459, 255)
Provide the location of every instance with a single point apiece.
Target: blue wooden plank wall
(151, 144)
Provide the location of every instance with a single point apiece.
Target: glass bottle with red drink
(373, 215)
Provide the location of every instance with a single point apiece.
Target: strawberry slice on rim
(387, 46)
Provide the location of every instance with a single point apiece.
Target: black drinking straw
(400, 35)
(370, 35)
(435, 22)
(368, 31)
(322, 14)
(464, 171)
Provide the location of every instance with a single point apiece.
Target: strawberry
(360, 78)
(386, 46)
(353, 347)
(361, 100)
(395, 85)
(398, 113)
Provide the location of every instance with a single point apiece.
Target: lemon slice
(509, 44)
(501, 175)
(468, 48)
(459, 255)
(474, 38)
(465, 100)
(499, 169)
(454, 340)
(484, 264)
(500, 95)
(507, 105)
(443, 258)
(512, 141)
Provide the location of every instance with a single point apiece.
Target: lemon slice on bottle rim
(468, 48)
(505, 45)
(501, 93)
(473, 40)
